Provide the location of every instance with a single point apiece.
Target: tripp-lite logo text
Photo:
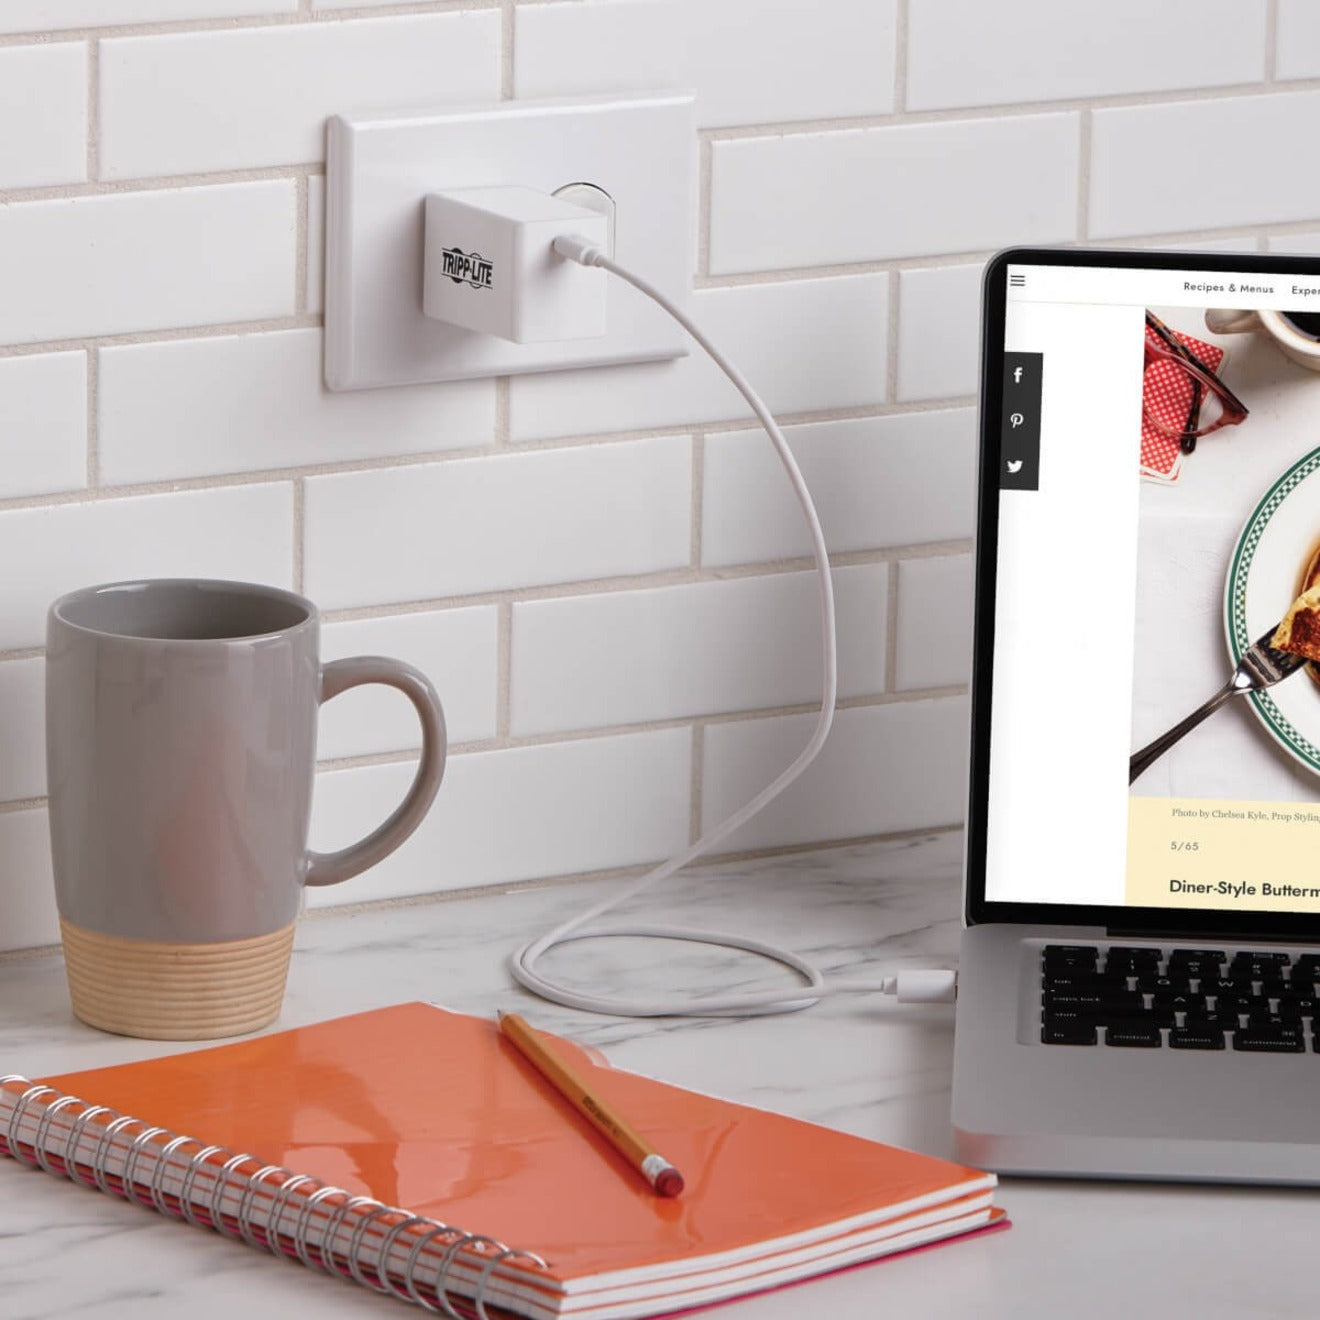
(466, 267)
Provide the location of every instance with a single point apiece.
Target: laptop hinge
(1201, 937)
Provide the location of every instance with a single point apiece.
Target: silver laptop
(1139, 982)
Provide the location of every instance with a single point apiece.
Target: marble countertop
(862, 1063)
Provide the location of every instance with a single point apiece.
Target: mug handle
(340, 675)
(1230, 320)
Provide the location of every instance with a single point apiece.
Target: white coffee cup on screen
(1296, 333)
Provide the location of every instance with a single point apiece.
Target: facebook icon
(1017, 375)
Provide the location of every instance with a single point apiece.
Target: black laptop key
(1132, 959)
(1258, 966)
(1061, 1031)
(1141, 1035)
(1307, 965)
(1197, 955)
(1081, 981)
(1073, 1000)
(1211, 1022)
(1123, 1003)
(1162, 1015)
(1195, 1038)
(1294, 1007)
(1271, 1039)
(1070, 955)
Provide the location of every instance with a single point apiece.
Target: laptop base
(1022, 1107)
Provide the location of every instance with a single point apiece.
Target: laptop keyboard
(1182, 999)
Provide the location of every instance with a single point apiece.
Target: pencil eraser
(669, 1182)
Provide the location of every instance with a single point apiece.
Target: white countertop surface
(864, 1064)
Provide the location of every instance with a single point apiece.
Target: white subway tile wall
(237, 403)
(43, 423)
(968, 53)
(903, 190)
(602, 571)
(168, 103)
(629, 657)
(43, 114)
(934, 623)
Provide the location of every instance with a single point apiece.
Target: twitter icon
(1015, 465)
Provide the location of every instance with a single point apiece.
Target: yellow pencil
(648, 1161)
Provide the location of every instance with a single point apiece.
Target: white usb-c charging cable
(911, 986)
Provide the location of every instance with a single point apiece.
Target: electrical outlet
(638, 158)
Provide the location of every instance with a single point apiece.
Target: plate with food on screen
(1274, 578)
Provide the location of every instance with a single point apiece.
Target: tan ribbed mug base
(176, 991)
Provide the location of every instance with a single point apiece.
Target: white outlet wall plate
(642, 151)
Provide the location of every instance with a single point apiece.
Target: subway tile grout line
(615, 586)
(891, 628)
(698, 495)
(900, 56)
(893, 288)
(301, 201)
(698, 754)
(93, 110)
(175, 484)
(503, 423)
(504, 669)
(508, 34)
(98, 187)
(164, 183)
(240, 23)
(1242, 91)
(170, 335)
(680, 577)
(93, 418)
(705, 182)
(1271, 41)
(1084, 176)
(506, 742)
(299, 535)
(21, 804)
(797, 274)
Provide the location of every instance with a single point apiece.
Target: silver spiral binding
(300, 1243)
(387, 1247)
(330, 1232)
(244, 1216)
(278, 1205)
(76, 1130)
(100, 1169)
(410, 1273)
(187, 1206)
(164, 1163)
(478, 1244)
(140, 1143)
(369, 1263)
(508, 1253)
(43, 1132)
(16, 1120)
(355, 1243)
(217, 1201)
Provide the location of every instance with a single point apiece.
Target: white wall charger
(490, 267)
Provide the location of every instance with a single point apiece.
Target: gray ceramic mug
(181, 748)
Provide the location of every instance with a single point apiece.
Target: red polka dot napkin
(1167, 394)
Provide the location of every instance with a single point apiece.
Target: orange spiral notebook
(414, 1151)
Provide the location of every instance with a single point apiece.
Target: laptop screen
(1150, 511)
